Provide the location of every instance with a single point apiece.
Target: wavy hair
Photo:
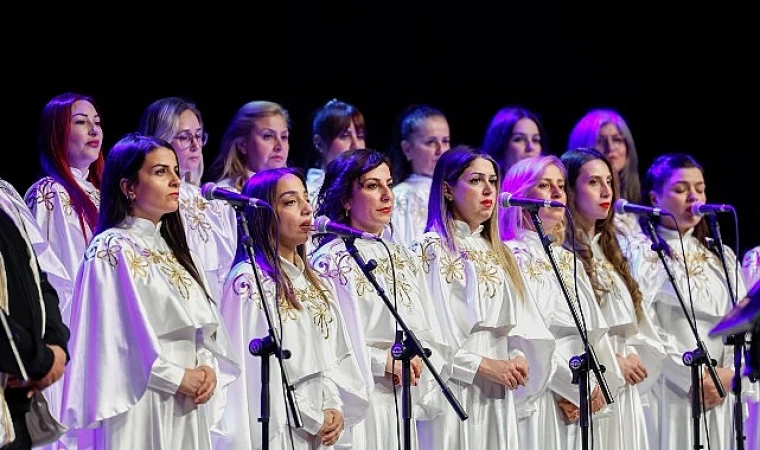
(574, 160)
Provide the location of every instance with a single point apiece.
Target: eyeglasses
(186, 139)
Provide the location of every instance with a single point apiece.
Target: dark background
(683, 80)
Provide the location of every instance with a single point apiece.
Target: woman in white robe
(592, 190)
(555, 424)
(479, 295)
(357, 192)
(674, 183)
(65, 201)
(210, 225)
(423, 136)
(322, 369)
(150, 355)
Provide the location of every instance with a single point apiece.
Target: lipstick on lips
(605, 205)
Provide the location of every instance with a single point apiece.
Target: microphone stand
(268, 345)
(697, 357)
(404, 350)
(737, 340)
(579, 364)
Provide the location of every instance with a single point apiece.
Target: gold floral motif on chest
(322, 317)
(141, 260)
(605, 276)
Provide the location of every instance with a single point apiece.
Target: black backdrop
(682, 84)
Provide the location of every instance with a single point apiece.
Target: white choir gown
(211, 229)
(372, 329)
(629, 335)
(50, 204)
(322, 368)
(138, 321)
(751, 268)
(314, 179)
(478, 307)
(410, 208)
(546, 428)
(670, 407)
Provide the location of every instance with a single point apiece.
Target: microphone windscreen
(620, 206)
(207, 190)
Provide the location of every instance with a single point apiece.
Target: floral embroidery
(486, 268)
(195, 215)
(311, 297)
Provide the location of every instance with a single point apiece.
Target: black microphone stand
(737, 340)
(579, 364)
(268, 345)
(404, 350)
(697, 357)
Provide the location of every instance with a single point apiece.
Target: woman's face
(427, 144)
(349, 139)
(371, 203)
(85, 135)
(680, 191)
(611, 143)
(474, 194)
(294, 214)
(551, 186)
(157, 189)
(593, 193)
(267, 146)
(524, 142)
(188, 142)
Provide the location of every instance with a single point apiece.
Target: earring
(131, 196)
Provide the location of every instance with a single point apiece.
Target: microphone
(506, 200)
(323, 224)
(211, 191)
(700, 209)
(622, 206)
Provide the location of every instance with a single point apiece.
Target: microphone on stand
(622, 206)
(507, 200)
(211, 191)
(701, 209)
(323, 224)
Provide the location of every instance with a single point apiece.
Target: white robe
(372, 329)
(138, 321)
(478, 307)
(50, 204)
(322, 368)
(751, 268)
(410, 208)
(546, 429)
(671, 409)
(211, 229)
(629, 334)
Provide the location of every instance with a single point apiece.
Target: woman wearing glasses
(210, 226)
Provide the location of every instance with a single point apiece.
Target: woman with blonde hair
(257, 138)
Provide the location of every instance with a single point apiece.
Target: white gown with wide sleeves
(138, 321)
(547, 428)
(672, 412)
(322, 368)
(372, 329)
(478, 306)
(629, 334)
